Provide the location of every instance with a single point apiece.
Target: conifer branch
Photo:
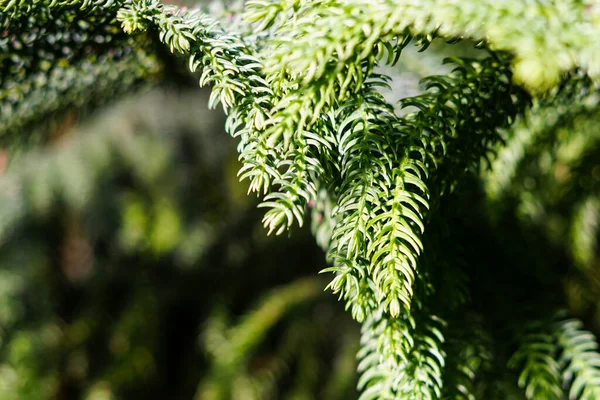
(299, 83)
(558, 350)
(391, 188)
(401, 357)
(543, 38)
(580, 360)
(540, 373)
(49, 66)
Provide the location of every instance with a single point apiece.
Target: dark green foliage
(54, 60)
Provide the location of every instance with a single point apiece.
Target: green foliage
(506, 140)
(530, 30)
(555, 351)
(53, 61)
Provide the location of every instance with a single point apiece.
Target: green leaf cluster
(511, 132)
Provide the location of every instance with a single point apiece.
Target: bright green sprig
(237, 83)
(401, 358)
(296, 190)
(272, 15)
(307, 95)
(229, 67)
(554, 351)
(393, 168)
(422, 377)
(385, 345)
(540, 373)
(364, 138)
(306, 104)
(418, 354)
(566, 30)
(580, 360)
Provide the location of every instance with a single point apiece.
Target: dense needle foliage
(459, 224)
